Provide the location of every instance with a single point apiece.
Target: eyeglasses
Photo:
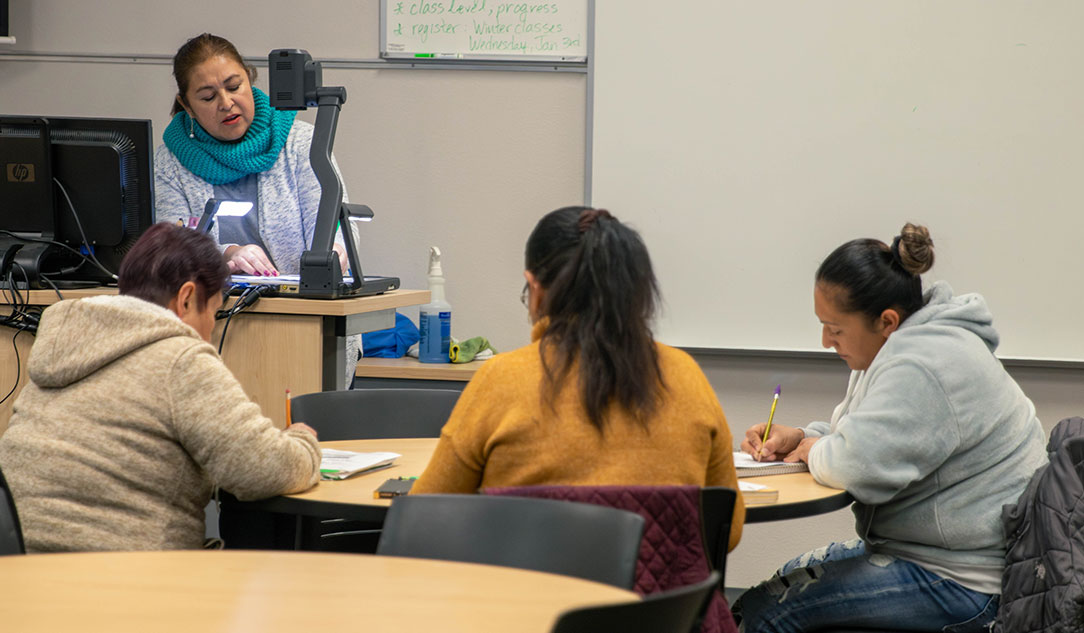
(523, 296)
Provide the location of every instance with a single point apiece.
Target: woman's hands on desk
(252, 260)
(784, 443)
(249, 259)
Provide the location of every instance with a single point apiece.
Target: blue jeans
(841, 587)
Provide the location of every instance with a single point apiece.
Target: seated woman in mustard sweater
(593, 400)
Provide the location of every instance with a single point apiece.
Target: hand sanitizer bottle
(435, 317)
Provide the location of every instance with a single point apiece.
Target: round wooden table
(799, 494)
(292, 592)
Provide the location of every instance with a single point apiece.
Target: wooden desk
(277, 344)
(300, 344)
(799, 494)
(350, 498)
(268, 592)
(409, 372)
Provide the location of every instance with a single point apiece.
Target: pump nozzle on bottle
(434, 262)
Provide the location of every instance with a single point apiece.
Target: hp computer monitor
(90, 190)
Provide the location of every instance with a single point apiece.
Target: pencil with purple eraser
(771, 414)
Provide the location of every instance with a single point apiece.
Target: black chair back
(11, 533)
(573, 539)
(716, 516)
(368, 414)
(676, 610)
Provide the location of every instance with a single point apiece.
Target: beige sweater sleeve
(228, 436)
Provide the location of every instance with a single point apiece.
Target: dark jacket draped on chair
(1043, 585)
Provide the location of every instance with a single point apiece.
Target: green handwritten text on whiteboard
(484, 29)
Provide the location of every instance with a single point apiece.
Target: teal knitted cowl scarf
(219, 162)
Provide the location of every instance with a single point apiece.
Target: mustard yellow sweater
(501, 433)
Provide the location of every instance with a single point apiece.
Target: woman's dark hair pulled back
(873, 276)
(196, 51)
(165, 257)
(600, 296)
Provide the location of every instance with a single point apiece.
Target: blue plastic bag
(392, 342)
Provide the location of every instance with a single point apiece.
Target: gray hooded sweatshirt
(129, 420)
(931, 440)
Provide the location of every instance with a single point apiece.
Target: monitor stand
(71, 284)
(24, 263)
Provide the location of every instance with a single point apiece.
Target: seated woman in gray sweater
(931, 439)
(130, 418)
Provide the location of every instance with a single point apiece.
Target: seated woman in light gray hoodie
(931, 439)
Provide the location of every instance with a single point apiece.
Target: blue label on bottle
(436, 335)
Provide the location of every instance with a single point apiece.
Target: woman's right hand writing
(781, 441)
(249, 259)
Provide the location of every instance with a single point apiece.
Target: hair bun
(588, 218)
(914, 248)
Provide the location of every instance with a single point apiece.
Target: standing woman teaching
(933, 436)
(226, 142)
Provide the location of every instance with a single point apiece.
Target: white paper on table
(745, 460)
(336, 464)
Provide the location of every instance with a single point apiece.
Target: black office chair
(676, 610)
(573, 539)
(370, 414)
(716, 516)
(11, 533)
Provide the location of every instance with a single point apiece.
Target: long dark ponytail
(600, 295)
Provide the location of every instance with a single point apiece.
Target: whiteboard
(746, 140)
(484, 30)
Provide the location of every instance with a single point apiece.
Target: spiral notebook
(749, 467)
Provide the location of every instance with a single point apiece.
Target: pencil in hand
(768, 427)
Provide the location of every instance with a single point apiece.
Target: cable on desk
(22, 318)
(49, 281)
(86, 242)
(18, 366)
(248, 297)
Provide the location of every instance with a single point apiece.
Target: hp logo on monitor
(20, 172)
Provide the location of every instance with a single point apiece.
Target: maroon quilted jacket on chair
(672, 553)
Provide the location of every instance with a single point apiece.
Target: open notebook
(336, 464)
(749, 467)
